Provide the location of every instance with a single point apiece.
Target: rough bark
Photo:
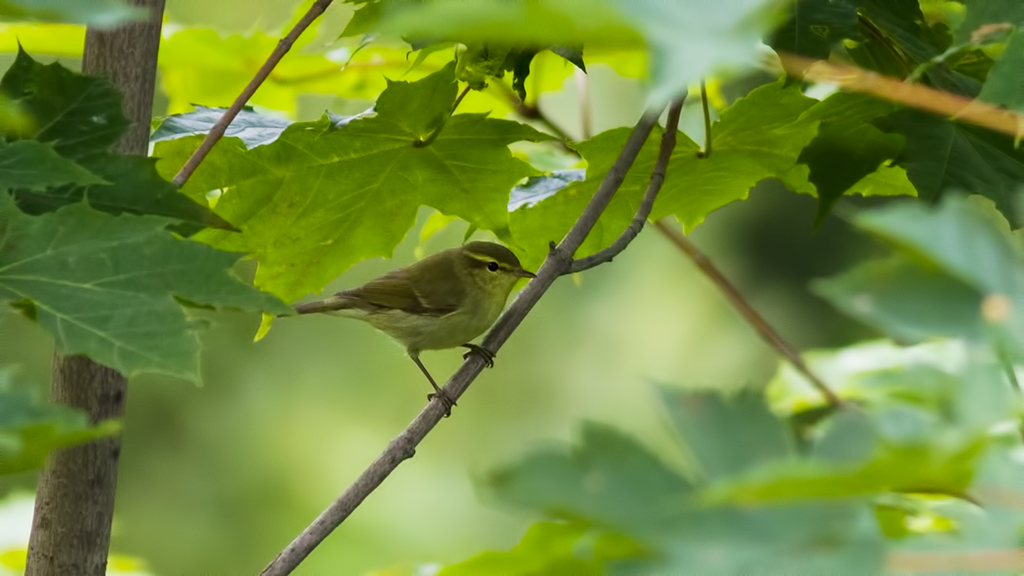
(75, 497)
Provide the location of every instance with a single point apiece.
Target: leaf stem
(217, 132)
(707, 121)
(583, 92)
(404, 445)
(761, 326)
(460, 97)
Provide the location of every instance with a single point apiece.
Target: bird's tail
(332, 304)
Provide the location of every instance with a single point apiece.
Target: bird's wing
(408, 290)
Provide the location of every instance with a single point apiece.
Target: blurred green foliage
(672, 479)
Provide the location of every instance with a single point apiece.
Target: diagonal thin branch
(668, 144)
(763, 328)
(217, 132)
(953, 106)
(404, 445)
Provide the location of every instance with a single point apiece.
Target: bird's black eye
(492, 266)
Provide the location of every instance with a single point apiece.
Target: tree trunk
(75, 497)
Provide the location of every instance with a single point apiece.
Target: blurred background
(216, 479)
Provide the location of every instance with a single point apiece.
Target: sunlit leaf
(323, 197)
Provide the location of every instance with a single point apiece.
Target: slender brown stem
(459, 99)
(404, 445)
(755, 319)
(707, 120)
(583, 90)
(668, 144)
(221, 126)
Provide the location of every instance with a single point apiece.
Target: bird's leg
(447, 402)
(484, 353)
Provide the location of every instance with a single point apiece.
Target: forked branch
(668, 144)
(558, 262)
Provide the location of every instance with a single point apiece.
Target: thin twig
(707, 121)
(459, 99)
(668, 144)
(918, 96)
(221, 126)
(752, 316)
(404, 445)
(583, 92)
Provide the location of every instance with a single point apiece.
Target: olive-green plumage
(442, 301)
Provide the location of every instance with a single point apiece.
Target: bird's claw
(446, 402)
(484, 353)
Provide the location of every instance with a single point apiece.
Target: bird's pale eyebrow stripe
(488, 260)
(482, 258)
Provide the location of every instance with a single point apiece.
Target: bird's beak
(525, 273)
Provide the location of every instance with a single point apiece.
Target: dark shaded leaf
(105, 286)
(32, 165)
(941, 156)
(815, 26)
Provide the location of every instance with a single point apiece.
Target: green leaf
(872, 372)
(761, 136)
(363, 19)
(616, 484)
(815, 27)
(1005, 83)
(107, 286)
(35, 166)
(78, 115)
(906, 300)
(252, 128)
(961, 273)
(941, 156)
(727, 437)
(546, 549)
(538, 188)
(134, 187)
(29, 430)
(321, 198)
(897, 40)
(848, 148)
(102, 13)
(928, 469)
(982, 13)
(609, 479)
(80, 118)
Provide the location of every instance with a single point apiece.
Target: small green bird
(442, 301)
